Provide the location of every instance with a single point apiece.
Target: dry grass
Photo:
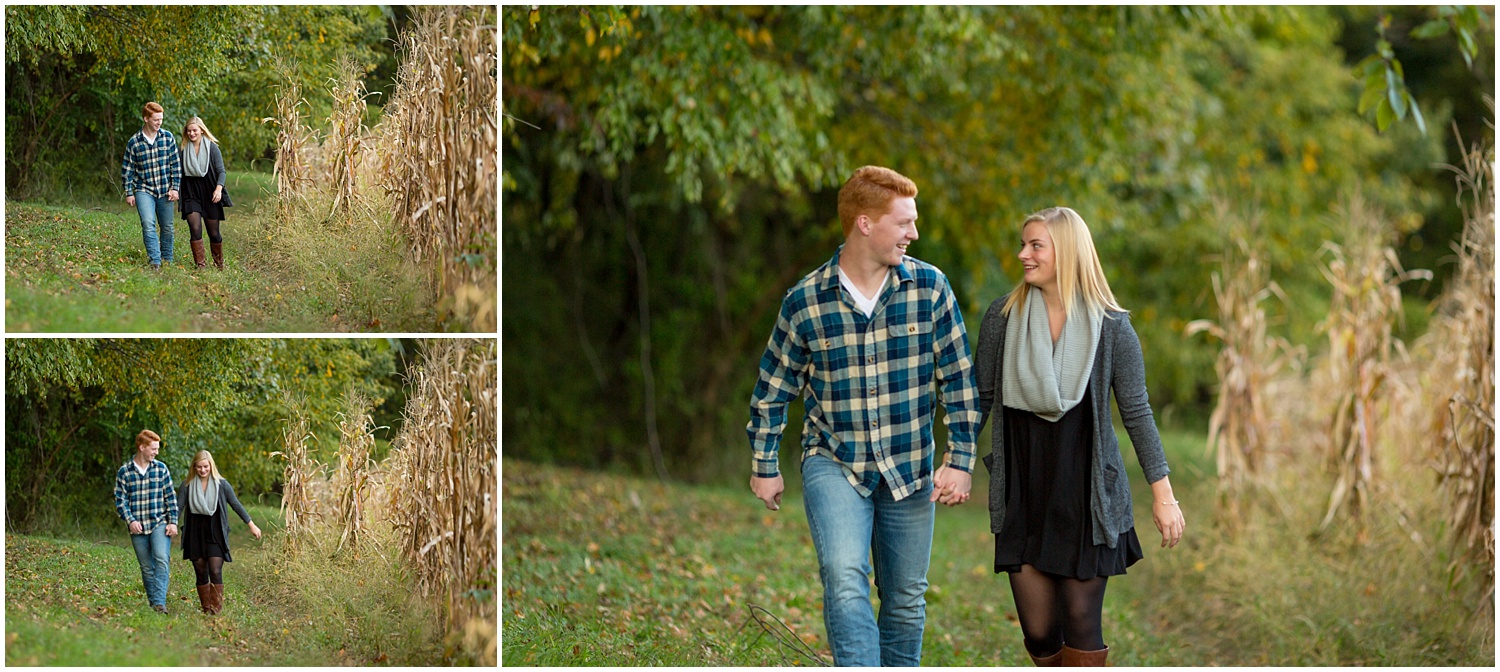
(439, 140)
(352, 482)
(1240, 430)
(1462, 388)
(441, 487)
(298, 505)
(1366, 278)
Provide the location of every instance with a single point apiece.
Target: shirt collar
(830, 279)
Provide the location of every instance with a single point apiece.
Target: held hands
(254, 531)
(171, 530)
(951, 486)
(172, 195)
(135, 525)
(768, 490)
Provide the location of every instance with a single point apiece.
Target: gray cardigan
(226, 500)
(1118, 366)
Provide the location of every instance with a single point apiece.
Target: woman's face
(202, 468)
(1037, 256)
(193, 132)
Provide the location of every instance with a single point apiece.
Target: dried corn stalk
(298, 505)
(293, 137)
(1366, 278)
(344, 143)
(1239, 428)
(356, 439)
(1464, 336)
(441, 482)
(439, 159)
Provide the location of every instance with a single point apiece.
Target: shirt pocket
(833, 353)
(909, 344)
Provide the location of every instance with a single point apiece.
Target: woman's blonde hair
(1079, 274)
(199, 122)
(213, 469)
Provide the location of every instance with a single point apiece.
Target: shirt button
(870, 359)
(875, 423)
(872, 391)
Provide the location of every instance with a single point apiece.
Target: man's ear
(863, 224)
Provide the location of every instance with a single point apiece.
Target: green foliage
(78, 76)
(76, 406)
(717, 137)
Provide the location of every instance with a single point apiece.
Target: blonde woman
(203, 194)
(203, 501)
(1049, 355)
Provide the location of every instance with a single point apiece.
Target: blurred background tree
(679, 167)
(77, 76)
(74, 406)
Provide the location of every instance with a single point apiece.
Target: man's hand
(172, 195)
(171, 530)
(951, 486)
(768, 490)
(131, 200)
(135, 525)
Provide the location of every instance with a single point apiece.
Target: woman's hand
(254, 531)
(219, 193)
(1167, 513)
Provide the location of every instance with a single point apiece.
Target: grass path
(83, 268)
(80, 602)
(602, 569)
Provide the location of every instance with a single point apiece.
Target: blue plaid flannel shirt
(151, 167)
(148, 498)
(868, 380)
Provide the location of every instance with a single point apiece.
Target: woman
(203, 500)
(1049, 355)
(203, 195)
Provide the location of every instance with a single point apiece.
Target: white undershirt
(140, 468)
(865, 305)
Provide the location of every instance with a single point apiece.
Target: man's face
(892, 232)
(153, 122)
(150, 450)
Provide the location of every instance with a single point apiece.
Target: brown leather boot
(205, 597)
(1054, 660)
(1072, 657)
(198, 255)
(218, 597)
(218, 250)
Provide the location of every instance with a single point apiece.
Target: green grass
(607, 569)
(82, 268)
(78, 601)
(603, 569)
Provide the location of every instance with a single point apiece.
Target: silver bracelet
(1171, 503)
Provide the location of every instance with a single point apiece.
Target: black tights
(1055, 610)
(209, 570)
(195, 226)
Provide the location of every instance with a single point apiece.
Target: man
(865, 336)
(151, 172)
(144, 497)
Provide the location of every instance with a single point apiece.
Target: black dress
(198, 196)
(202, 536)
(1048, 521)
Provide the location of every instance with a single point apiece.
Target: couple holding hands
(865, 337)
(145, 499)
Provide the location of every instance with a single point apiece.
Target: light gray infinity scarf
(203, 501)
(1041, 377)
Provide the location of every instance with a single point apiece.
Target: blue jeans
(155, 211)
(151, 551)
(847, 530)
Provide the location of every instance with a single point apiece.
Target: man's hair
(150, 109)
(146, 436)
(869, 192)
